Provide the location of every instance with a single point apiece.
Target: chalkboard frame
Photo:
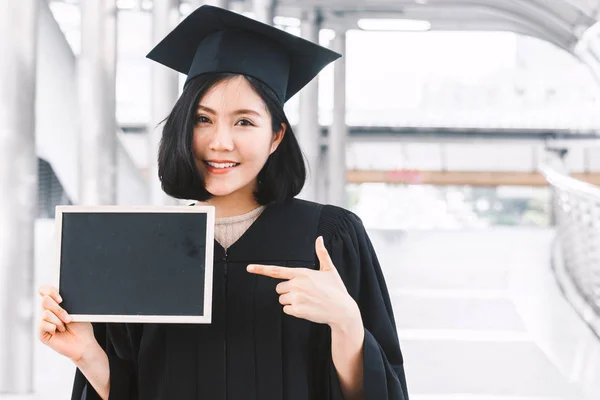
(208, 277)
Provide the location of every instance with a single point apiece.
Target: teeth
(221, 165)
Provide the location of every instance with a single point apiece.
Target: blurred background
(464, 133)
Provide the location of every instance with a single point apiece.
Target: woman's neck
(233, 204)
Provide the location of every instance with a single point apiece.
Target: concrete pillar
(18, 188)
(321, 177)
(308, 128)
(217, 3)
(137, 6)
(264, 10)
(164, 94)
(336, 153)
(98, 126)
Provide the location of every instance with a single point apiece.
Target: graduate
(300, 306)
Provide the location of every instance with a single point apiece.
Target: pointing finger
(273, 271)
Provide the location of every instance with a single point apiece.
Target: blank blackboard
(136, 264)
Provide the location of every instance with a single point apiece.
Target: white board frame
(206, 318)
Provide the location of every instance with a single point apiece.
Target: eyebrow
(236, 112)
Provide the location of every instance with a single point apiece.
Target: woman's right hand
(56, 330)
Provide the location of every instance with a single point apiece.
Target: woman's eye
(244, 122)
(201, 119)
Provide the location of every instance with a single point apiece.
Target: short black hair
(281, 178)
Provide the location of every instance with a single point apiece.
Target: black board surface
(137, 264)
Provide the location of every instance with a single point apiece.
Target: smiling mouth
(220, 167)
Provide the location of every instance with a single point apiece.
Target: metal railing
(576, 252)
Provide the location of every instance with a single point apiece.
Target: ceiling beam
(521, 16)
(373, 133)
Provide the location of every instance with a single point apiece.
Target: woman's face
(233, 137)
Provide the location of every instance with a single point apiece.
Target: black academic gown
(252, 350)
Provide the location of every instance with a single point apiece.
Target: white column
(217, 3)
(18, 188)
(309, 130)
(98, 126)
(336, 151)
(322, 177)
(164, 94)
(264, 10)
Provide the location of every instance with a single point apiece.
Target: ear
(277, 138)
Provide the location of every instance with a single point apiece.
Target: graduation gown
(252, 350)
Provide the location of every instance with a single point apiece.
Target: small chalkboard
(136, 264)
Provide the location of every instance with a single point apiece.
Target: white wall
(56, 102)
(57, 116)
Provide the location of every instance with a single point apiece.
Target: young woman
(300, 306)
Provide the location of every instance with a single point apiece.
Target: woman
(300, 306)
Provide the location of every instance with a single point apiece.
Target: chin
(220, 191)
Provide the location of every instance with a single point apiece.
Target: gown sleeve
(121, 344)
(354, 257)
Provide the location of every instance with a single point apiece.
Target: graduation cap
(212, 39)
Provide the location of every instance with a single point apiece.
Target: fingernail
(60, 299)
(250, 268)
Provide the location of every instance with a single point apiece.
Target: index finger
(273, 271)
(48, 290)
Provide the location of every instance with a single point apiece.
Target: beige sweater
(229, 229)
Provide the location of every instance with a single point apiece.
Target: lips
(220, 167)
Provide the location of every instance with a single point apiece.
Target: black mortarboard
(212, 39)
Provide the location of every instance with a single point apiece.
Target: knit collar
(240, 218)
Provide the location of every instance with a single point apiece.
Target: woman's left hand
(318, 296)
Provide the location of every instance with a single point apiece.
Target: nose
(221, 139)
